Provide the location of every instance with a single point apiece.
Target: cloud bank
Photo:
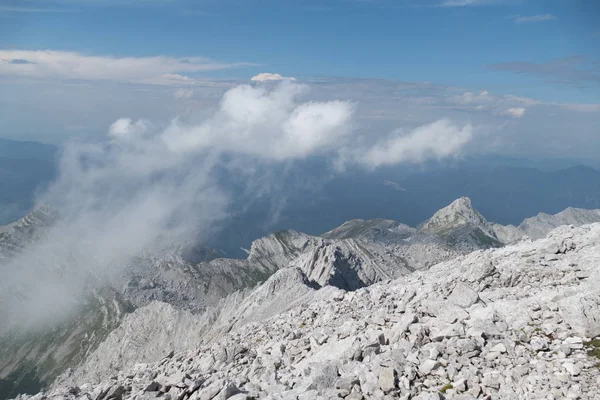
(274, 124)
(62, 65)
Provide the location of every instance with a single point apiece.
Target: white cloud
(516, 112)
(183, 93)
(519, 19)
(265, 122)
(380, 106)
(267, 76)
(440, 139)
(126, 128)
(62, 65)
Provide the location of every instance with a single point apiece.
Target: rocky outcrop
(514, 322)
(459, 213)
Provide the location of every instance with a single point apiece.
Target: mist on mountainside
(147, 188)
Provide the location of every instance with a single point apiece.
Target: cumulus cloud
(520, 19)
(266, 122)
(437, 140)
(516, 112)
(274, 124)
(159, 70)
(183, 93)
(267, 76)
(126, 128)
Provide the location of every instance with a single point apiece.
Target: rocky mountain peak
(459, 212)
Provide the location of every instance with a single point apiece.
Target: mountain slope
(502, 323)
(355, 255)
(32, 358)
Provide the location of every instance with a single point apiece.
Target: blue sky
(405, 40)
(545, 51)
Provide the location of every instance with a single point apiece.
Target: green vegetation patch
(593, 348)
(446, 388)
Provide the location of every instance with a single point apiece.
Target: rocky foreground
(157, 301)
(508, 323)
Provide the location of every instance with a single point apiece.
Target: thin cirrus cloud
(574, 70)
(13, 9)
(62, 65)
(521, 19)
(466, 3)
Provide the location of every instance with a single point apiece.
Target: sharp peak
(462, 201)
(460, 211)
(458, 205)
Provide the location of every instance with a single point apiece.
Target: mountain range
(164, 301)
(506, 190)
